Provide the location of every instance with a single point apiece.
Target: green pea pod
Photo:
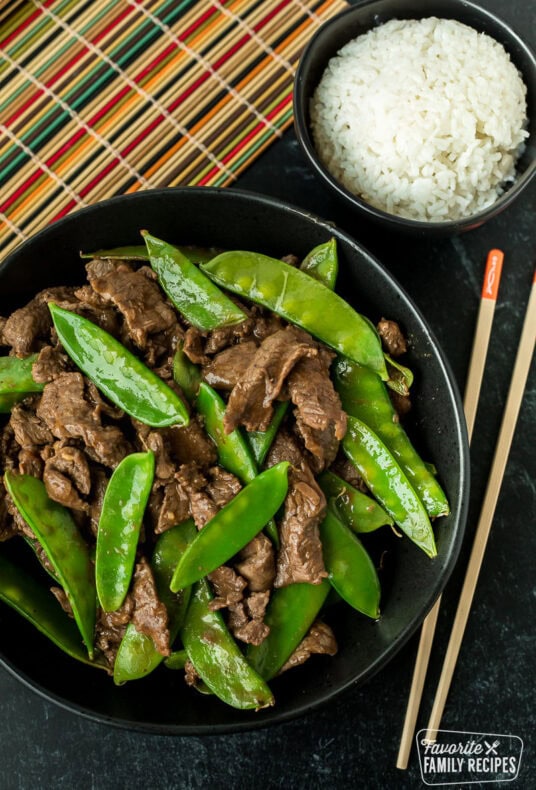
(351, 571)
(261, 441)
(384, 477)
(234, 453)
(16, 381)
(191, 291)
(400, 377)
(34, 602)
(137, 655)
(364, 396)
(138, 252)
(120, 522)
(290, 614)
(177, 659)
(217, 658)
(186, 374)
(233, 526)
(301, 299)
(121, 376)
(358, 511)
(322, 263)
(54, 528)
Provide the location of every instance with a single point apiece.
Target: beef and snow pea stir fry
(194, 446)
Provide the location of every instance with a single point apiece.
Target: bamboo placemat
(107, 97)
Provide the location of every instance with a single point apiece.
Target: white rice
(422, 118)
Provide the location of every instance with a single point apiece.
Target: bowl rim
(462, 492)
(304, 136)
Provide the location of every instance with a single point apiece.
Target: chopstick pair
(513, 404)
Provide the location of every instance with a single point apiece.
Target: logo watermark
(457, 757)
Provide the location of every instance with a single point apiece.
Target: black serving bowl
(233, 219)
(361, 18)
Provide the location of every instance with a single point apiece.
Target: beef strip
(257, 563)
(150, 616)
(30, 463)
(344, 468)
(320, 420)
(218, 339)
(246, 618)
(401, 403)
(250, 402)
(110, 628)
(222, 486)
(27, 328)
(229, 367)
(191, 443)
(319, 640)
(156, 441)
(206, 494)
(190, 674)
(136, 296)
(193, 346)
(173, 506)
(300, 553)
(49, 364)
(29, 429)
(392, 338)
(285, 447)
(66, 476)
(228, 587)
(68, 415)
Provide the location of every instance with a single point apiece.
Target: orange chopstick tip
(492, 275)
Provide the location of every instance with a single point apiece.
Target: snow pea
(384, 477)
(234, 453)
(120, 522)
(302, 300)
(322, 263)
(358, 511)
(351, 571)
(290, 614)
(217, 658)
(138, 252)
(177, 659)
(261, 441)
(137, 655)
(32, 600)
(192, 292)
(185, 373)
(119, 375)
(54, 528)
(400, 377)
(364, 395)
(233, 526)
(16, 381)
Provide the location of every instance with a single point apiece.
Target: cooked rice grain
(424, 118)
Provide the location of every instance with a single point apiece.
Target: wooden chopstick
(513, 404)
(488, 300)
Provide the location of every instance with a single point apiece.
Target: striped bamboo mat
(106, 97)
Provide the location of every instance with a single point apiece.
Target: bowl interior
(231, 219)
(357, 21)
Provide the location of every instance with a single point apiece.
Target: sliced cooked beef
(300, 554)
(345, 469)
(28, 427)
(285, 447)
(190, 674)
(173, 507)
(246, 618)
(320, 420)
(222, 486)
(229, 367)
(110, 628)
(68, 415)
(49, 364)
(191, 443)
(27, 328)
(257, 563)
(201, 489)
(193, 346)
(9, 449)
(250, 402)
(92, 306)
(66, 477)
(30, 463)
(393, 340)
(218, 339)
(228, 587)
(135, 295)
(401, 403)
(150, 615)
(156, 441)
(319, 640)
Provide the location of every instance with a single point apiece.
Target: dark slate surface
(353, 741)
